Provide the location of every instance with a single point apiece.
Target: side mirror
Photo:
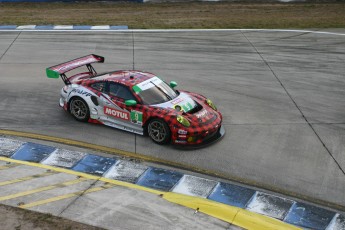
(173, 84)
(130, 102)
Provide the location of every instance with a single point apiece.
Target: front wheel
(79, 109)
(159, 131)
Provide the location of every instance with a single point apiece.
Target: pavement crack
(80, 195)
(133, 54)
(293, 36)
(295, 103)
(133, 61)
(9, 47)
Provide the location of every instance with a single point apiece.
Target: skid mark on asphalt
(48, 173)
(41, 189)
(66, 196)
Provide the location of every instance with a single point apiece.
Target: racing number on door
(136, 117)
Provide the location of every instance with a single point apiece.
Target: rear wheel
(79, 109)
(159, 131)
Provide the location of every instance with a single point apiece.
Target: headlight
(183, 121)
(210, 103)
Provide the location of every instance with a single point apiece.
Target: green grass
(213, 15)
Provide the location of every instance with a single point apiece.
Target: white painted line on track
(70, 29)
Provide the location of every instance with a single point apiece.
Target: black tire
(159, 131)
(79, 109)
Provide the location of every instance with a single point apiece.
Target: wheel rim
(78, 109)
(157, 131)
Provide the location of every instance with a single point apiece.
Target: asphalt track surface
(281, 94)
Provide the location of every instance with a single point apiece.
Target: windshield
(155, 91)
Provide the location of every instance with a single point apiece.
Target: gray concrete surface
(111, 208)
(262, 82)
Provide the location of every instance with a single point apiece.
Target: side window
(100, 86)
(113, 88)
(120, 91)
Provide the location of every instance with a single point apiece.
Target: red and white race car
(138, 102)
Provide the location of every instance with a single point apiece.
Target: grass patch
(196, 15)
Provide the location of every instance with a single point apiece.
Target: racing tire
(159, 131)
(79, 109)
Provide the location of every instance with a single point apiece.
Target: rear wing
(61, 69)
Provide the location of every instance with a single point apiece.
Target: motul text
(116, 113)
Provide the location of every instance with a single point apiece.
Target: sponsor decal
(116, 113)
(146, 84)
(181, 131)
(181, 142)
(182, 136)
(201, 114)
(136, 117)
(177, 100)
(186, 107)
(74, 64)
(81, 92)
(184, 102)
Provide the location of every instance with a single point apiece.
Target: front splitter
(217, 137)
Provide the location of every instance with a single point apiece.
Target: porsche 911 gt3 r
(138, 102)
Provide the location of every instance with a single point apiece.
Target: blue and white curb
(287, 210)
(63, 27)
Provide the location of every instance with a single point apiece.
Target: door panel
(118, 115)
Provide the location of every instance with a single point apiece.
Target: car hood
(184, 101)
